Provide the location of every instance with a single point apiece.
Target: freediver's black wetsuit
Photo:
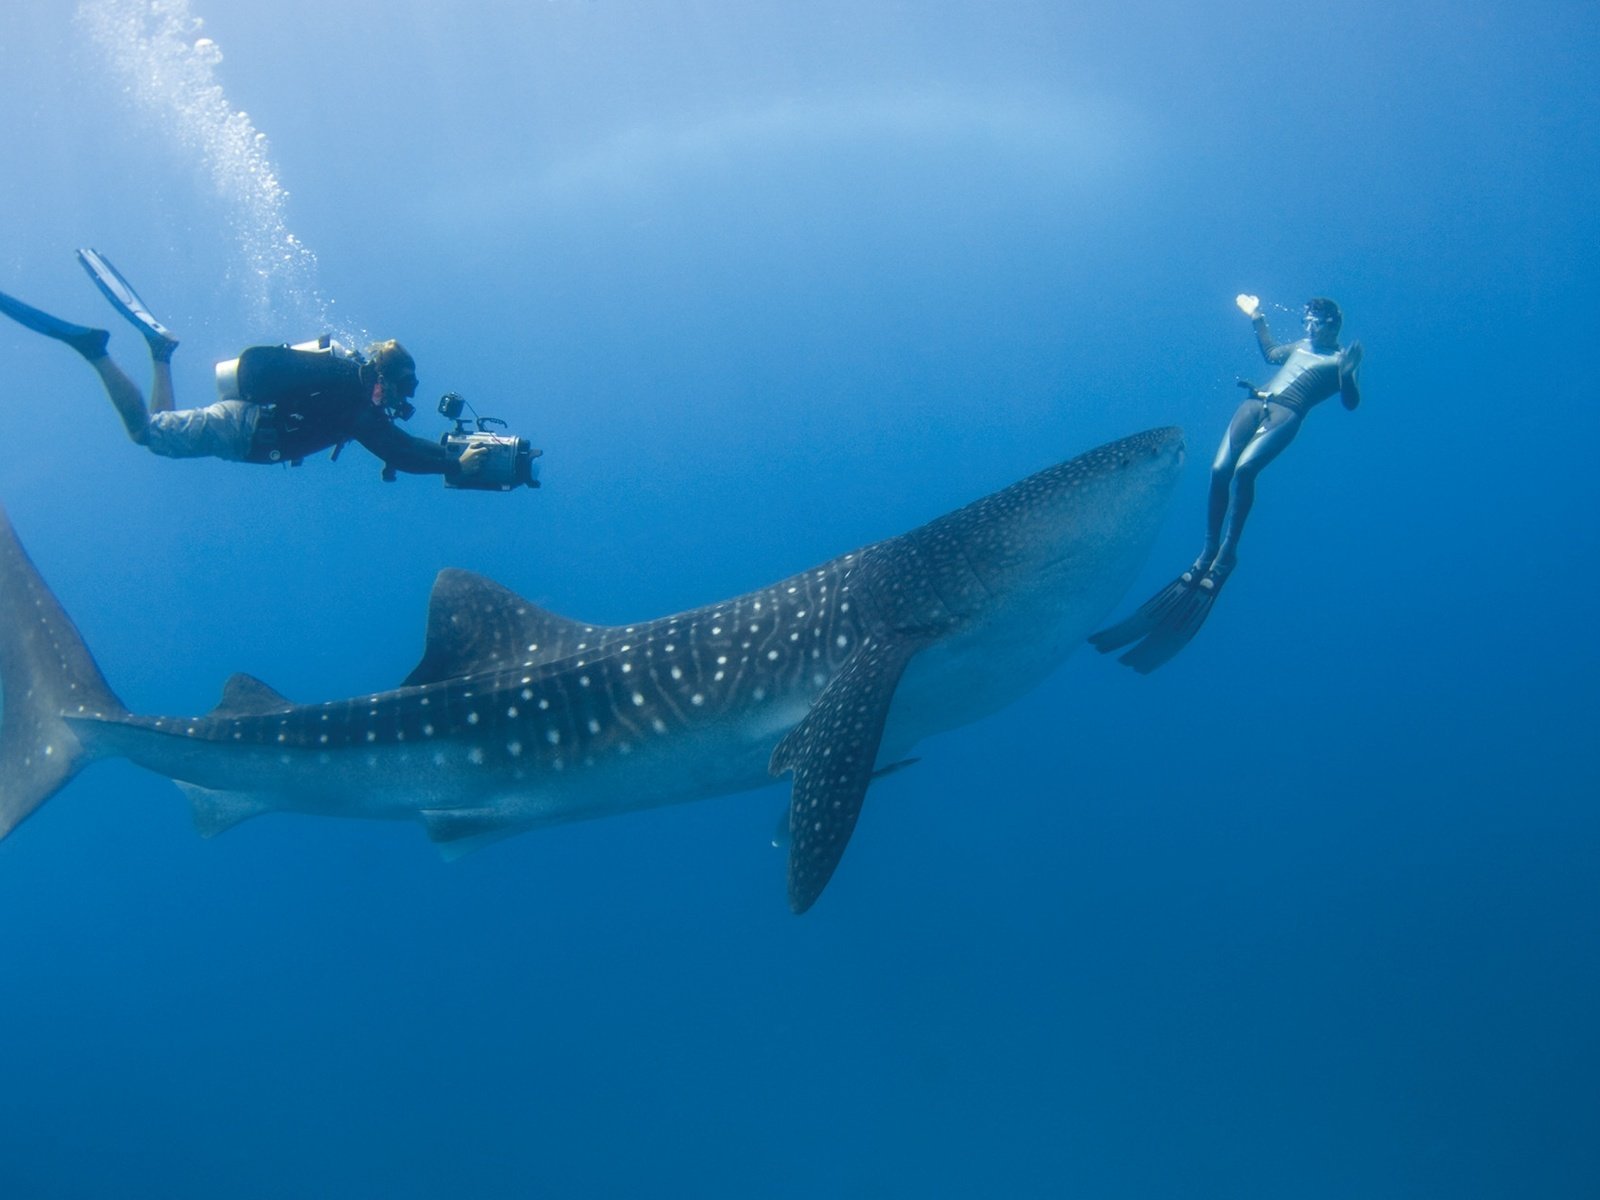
(1262, 428)
(311, 400)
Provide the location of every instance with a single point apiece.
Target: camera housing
(509, 461)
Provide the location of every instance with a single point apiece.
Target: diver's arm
(398, 449)
(1350, 375)
(1272, 351)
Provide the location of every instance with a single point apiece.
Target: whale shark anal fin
(218, 811)
(831, 753)
(459, 831)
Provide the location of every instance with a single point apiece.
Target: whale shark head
(1091, 518)
(1021, 577)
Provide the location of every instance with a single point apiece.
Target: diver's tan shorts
(221, 430)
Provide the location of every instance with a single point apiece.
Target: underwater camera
(509, 462)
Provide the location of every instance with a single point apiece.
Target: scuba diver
(1310, 371)
(282, 403)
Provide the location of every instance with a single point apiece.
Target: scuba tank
(228, 371)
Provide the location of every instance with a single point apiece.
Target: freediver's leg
(1278, 429)
(1166, 609)
(1247, 419)
(1168, 621)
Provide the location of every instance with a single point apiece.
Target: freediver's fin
(1147, 619)
(126, 301)
(1177, 628)
(89, 342)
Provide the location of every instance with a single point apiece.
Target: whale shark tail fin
(46, 676)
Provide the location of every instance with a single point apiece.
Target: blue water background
(1314, 911)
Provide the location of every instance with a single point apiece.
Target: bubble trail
(157, 52)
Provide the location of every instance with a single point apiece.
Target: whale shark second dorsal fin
(476, 625)
(246, 696)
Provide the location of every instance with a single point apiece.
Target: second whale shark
(517, 718)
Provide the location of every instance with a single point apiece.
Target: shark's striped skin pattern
(516, 717)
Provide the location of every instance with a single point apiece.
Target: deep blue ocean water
(1314, 911)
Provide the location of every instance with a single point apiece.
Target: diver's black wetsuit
(1261, 429)
(1306, 379)
(1309, 371)
(311, 400)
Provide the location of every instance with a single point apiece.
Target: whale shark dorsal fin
(246, 696)
(475, 625)
(831, 753)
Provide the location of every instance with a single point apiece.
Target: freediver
(278, 403)
(1310, 371)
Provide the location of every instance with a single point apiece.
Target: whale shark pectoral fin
(217, 812)
(831, 753)
(780, 834)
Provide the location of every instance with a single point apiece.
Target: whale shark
(516, 717)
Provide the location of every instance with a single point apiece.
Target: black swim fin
(1176, 630)
(1165, 623)
(126, 301)
(91, 343)
(1146, 619)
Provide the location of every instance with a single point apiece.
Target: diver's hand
(1350, 361)
(1349, 381)
(1250, 306)
(472, 459)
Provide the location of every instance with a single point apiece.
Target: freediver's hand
(1349, 380)
(1250, 306)
(472, 459)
